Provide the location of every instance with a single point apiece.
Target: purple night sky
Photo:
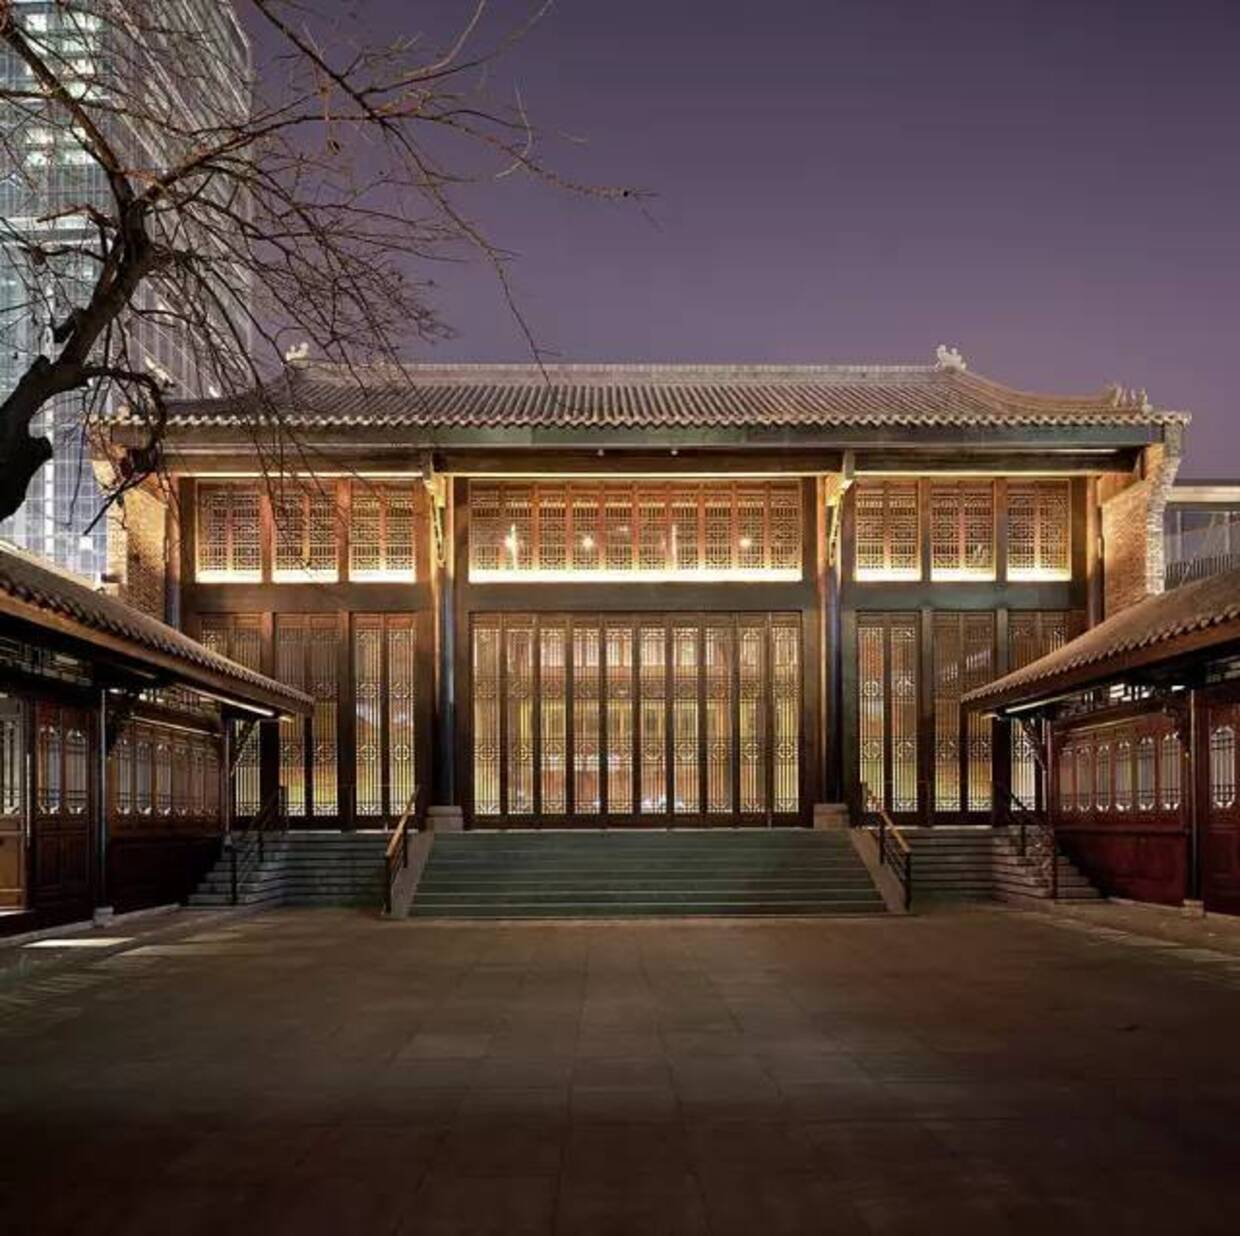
(1053, 185)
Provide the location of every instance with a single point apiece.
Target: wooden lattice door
(1220, 848)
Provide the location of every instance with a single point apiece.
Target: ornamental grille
(887, 687)
(1223, 766)
(305, 534)
(888, 530)
(239, 637)
(1107, 774)
(229, 532)
(384, 695)
(738, 530)
(12, 759)
(963, 659)
(382, 532)
(307, 658)
(176, 776)
(1038, 530)
(1032, 635)
(689, 717)
(962, 531)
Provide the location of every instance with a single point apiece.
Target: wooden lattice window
(229, 533)
(1146, 797)
(962, 531)
(963, 659)
(1123, 775)
(307, 657)
(306, 526)
(888, 647)
(384, 681)
(1102, 778)
(888, 530)
(520, 530)
(1170, 772)
(382, 533)
(1223, 766)
(1039, 524)
(240, 638)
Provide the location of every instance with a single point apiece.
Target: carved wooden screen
(240, 637)
(174, 784)
(888, 654)
(1033, 634)
(63, 801)
(229, 532)
(307, 655)
(636, 719)
(1220, 849)
(306, 527)
(962, 530)
(887, 530)
(1039, 530)
(382, 532)
(964, 658)
(12, 804)
(384, 680)
(523, 530)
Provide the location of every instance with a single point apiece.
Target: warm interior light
(696, 575)
(587, 541)
(746, 542)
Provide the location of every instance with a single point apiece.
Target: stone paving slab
(323, 1071)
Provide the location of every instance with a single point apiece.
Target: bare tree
(230, 222)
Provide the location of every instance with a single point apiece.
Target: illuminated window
(962, 531)
(887, 689)
(307, 657)
(305, 531)
(1039, 514)
(887, 530)
(240, 638)
(1170, 773)
(963, 658)
(382, 533)
(1223, 766)
(384, 667)
(229, 532)
(520, 530)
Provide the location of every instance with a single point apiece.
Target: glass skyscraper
(188, 59)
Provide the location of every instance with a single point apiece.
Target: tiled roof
(324, 396)
(42, 590)
(1156, 630)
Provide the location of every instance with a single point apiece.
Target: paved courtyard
(326, 1072)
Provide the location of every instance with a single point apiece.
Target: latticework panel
(383, 532)
(1039, 530)
(682, 716)
(887, 534)
(229, 531)
(306, 527)
(887, 707)
(711, 530)
(240, 637)
(962, 531)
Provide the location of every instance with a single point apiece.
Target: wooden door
(12, 805)
(64, 756)
(647, 720)
(1220, 846)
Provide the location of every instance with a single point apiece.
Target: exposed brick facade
(1132, 524)
(137, 536)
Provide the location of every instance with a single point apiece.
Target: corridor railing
(1035, 837)
(894, 850)
(247, 847)
(396, 856)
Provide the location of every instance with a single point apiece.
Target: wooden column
(925, 678)
(1196, 788)
(1001, 731)
(444, 753)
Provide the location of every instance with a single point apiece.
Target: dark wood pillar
(445, 563)
(1196, 747)
(1001, 730)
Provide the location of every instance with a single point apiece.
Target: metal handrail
(894, 850)
(1026, 819)
(398, 845)
(271, 816)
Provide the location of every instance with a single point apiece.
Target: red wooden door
(63, 804)
(12, 805)
(1220, 848)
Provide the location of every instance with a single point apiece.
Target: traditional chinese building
(639, 596)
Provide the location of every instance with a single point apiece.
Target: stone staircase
(303, 869)
(635, 874)
(983, 864)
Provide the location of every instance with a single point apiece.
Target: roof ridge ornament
(949, 359)
(299, 353)
(1129, 397)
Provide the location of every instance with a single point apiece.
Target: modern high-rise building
(188, 60)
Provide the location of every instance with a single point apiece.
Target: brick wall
(136, 551)
(1132, 525)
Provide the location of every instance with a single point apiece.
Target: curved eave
(1020, 692)
(262, 696)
